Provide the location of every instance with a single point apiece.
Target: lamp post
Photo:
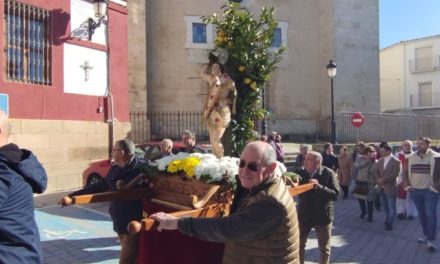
(100, 8)
(331, 71)
(263, 105)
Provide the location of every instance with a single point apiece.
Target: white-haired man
(262, 226)
(315, 209)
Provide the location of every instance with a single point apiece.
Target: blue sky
(407, 19)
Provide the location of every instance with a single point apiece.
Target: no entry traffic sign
(357, 119)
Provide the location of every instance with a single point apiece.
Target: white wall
(81, 11)
(392, 80)
(413, 79)
(74, 75)
(397, 82)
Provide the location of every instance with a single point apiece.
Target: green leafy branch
(247, 41)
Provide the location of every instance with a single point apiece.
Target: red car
(100, 168)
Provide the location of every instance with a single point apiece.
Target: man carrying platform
(263, 224)
(127, 166)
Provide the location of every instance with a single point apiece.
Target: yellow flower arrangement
(189, 164)
(254, 86)
(174, 166)
(186, 165)
(242, 68)
(247, 80)
(221, 37)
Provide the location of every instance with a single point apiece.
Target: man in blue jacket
(21, 175)
(126, 167)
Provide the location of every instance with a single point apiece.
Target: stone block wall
(64, 147)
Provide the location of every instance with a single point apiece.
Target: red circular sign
(357, 119)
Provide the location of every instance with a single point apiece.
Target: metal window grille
(148, 126)
(277, 41)
(28, 46)
(199, 33)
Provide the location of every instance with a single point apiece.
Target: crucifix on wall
(86, 67)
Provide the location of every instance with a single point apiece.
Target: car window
(176, 150)
(140, 152)
(154, 153)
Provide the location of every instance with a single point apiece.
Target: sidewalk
(354, 240)
(84, 235)
(75, 234)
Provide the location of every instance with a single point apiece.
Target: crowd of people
(404, 184)
(264, 223)
(274, 139)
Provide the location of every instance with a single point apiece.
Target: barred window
(199, 33)
(28, 46)
(277, 38)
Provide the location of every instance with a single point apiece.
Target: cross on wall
(86, 67)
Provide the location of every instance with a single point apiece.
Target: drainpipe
(406, 102)
(110, 105)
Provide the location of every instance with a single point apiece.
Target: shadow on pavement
(48, 203)
(93, 250)
(74, 212)
(355, 240)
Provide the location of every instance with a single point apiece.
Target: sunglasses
(253, 166)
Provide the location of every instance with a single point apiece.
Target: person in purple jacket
(21, 175)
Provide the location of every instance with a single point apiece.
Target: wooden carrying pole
(141, 193)
(134, 194)
(210, 210)
(295, 191)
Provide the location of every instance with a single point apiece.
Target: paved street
(84, 235)
(75, 234)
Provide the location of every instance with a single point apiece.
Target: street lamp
(100, 8)
(331, 72)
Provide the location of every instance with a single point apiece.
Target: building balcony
(425, 99)
(424, 64)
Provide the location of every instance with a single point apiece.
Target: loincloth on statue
(220, 117)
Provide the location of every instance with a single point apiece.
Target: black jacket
(316, 206)
(121, 212)
(330, 161)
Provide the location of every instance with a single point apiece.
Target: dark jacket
(316, 206)
(262, 226)
(330, 161)
(21, 175)
(121, 212)
(195, 149)
(279, 149)
(299, 162)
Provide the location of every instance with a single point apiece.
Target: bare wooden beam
(210, 210)
(133, 194)
(295, 191)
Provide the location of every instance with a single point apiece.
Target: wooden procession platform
(189, 198)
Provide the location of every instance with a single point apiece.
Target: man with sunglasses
(315, 209)
(263, 224)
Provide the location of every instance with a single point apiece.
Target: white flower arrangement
(206, 167)
(217, 169)
(162, 163)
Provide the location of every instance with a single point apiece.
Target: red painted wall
(28, 101)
